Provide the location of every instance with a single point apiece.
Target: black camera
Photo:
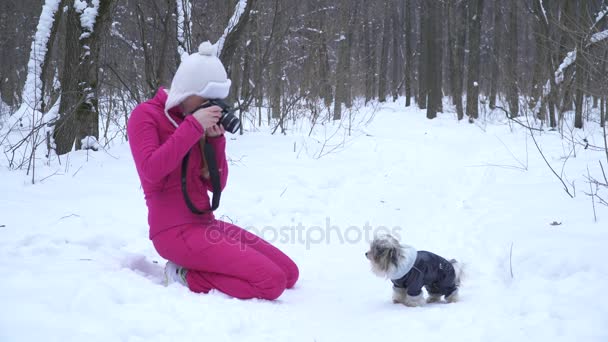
(230, 122)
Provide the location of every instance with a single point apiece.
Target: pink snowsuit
(217, 254)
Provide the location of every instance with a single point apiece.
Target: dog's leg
(453, 297)
(434, 298)
(413, 301)
(399, 294)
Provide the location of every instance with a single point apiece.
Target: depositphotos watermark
(306, 235)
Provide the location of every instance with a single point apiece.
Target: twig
(592, 196)
(69, 216)
(75, 173)
(511, 260)
(605, 140)
(517, 121)
(549, 165)
(49, 176)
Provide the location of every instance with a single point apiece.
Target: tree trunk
(496, 52)
(423, 48)
(341, 70)
(382, 77)
(396, 34)
(434, 53)
(79, 115)
(474, 23)
(511, 62)
(324, 69)
(457, 41)
(369, 55)
(603, 115)
(33, 90)
(231, 43)
(408, 51)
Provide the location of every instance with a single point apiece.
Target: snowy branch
(238, 11)
(572, 55)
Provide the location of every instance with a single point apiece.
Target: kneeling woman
(204, 253)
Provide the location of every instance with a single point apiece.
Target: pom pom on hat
(201, 74)
(207, 49)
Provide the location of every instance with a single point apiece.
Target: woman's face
(191, 102)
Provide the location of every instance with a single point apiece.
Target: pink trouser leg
(221, 256)
(262, 246)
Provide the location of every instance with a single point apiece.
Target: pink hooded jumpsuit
(218, 255)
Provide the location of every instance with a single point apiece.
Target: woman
(203, 253)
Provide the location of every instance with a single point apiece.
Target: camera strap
(214, 177)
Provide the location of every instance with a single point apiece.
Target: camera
(230, 122)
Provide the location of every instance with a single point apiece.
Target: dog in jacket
(410, 270)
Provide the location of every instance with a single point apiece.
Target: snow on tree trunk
(234, 20)
(29, 115)
(32, 91)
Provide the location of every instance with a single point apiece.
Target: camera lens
(230, 122)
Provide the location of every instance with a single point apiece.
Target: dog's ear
(392, 256)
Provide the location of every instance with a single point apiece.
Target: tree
(475, 8)
(78, 111)
(423, 49)
(496, 53)
(408, 55)
(456, 43)
(344, 39)
(434, 53)
(386, 38)
(511, 61)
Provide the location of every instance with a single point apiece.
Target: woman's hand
(208, 117)
(215, 131)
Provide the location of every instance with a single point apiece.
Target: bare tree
(386, 39)
(434, 52)
(511, 61)
(496, 53)
(408, 55)
(475, 8)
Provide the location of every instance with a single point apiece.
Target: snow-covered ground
(76, 263)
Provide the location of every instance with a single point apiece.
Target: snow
(600, 15)
(88, 15)
(568, 60)
(596, 37)
(542, 7)
(90, 143)
(238, 11)
(77, 265)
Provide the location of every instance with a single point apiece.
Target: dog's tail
(459, 270)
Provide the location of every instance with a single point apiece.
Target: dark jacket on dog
(431, 271)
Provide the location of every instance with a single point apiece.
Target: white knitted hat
(201, 74)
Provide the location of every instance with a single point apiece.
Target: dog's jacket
(422, 268)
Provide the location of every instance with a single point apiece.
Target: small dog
(411, 270)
